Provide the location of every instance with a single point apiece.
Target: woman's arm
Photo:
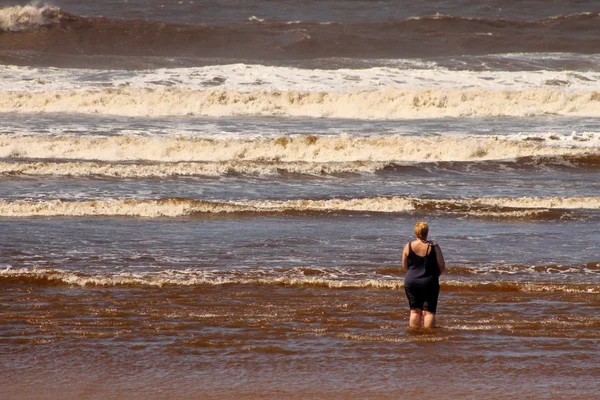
(405, 258)
(440, 258)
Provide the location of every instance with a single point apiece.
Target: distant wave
(384, 104)
(16, 166)
(414, 77)
(591, 268)
(171, 278)
(65, 33)
(161, 170)
(273, 152)
(368, 104)
(520, 208)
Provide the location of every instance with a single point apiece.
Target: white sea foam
(186, 168)
(498, 207)
(251, 78)
(289, 278)
(194, 278)
(369, 104)
(22, 18)
(299, 149)
(183, 207)
(542, 202)
(239, 89)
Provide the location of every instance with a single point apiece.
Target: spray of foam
(24, 18)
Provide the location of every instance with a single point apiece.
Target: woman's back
(422, 265)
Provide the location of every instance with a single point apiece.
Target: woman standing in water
(424, 263)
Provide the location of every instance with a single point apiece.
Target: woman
(424, 263)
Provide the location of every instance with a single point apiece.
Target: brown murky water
(311, 337)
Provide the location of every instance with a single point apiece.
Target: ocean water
(209, 199)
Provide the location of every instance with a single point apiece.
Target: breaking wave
(26, 18)
(291, 149)
(161, 170)
(520, 208)
(590, 162)
(170, 278)
(368, 104)
(187, 169)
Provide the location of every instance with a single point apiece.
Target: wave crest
(170, 278)
(25, 18)
(527, 207)
(369, 104)
(161, 170)
(152, 169)
(290, 149)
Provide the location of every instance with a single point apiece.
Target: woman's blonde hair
(421, 230)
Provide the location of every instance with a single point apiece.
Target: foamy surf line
(526, 208)
(15, 167)
(387, 104)
(410, 74)
(54, 277)
(162, 170)
(295, 148)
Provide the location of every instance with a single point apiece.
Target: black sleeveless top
(422, 271)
